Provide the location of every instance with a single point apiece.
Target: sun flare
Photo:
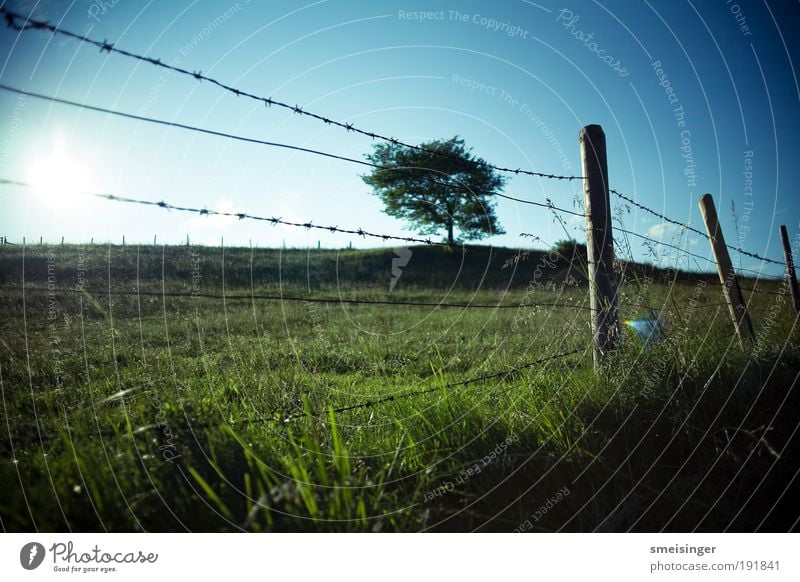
(58, 177)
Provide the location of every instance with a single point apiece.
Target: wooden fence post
(790, 274)
(727, 275)
(599, 241)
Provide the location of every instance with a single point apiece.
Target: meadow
(190, 388)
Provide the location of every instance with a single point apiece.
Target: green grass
(129, 412)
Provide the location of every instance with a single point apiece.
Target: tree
(439, 185)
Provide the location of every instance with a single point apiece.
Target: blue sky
(516, 79)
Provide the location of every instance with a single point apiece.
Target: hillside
(429, 267)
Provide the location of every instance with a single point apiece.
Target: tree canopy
(440, 185)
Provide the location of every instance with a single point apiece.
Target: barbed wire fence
(23, 24)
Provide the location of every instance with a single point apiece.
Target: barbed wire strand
(691, 228)
(549, 205)
(244, 215)
(13, 19)
(695, 255)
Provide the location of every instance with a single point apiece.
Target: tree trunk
(450, 232)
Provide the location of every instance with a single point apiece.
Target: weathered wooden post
(727, 275)
(599, 241)
(791, 276)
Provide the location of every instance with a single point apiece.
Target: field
(191, 388)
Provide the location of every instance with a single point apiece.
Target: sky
(694, 97)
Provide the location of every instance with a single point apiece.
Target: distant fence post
(790, 274)
(727, 275)
(599, 241)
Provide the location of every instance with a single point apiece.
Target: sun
(58, 177)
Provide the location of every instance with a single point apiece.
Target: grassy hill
(268, 401)
(429, 267)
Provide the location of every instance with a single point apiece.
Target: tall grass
(127, 413)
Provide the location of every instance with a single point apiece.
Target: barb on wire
(257, 142)
(13, 20)
(278, 416)
(691, 228)
(332, 300)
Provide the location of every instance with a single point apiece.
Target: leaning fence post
(727, 275)
(599, 241)
(791, 276)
